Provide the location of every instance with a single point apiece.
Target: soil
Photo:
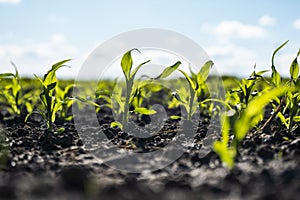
(44, 165)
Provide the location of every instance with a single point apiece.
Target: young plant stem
(290, 122)
(126, 106)
(49, 120)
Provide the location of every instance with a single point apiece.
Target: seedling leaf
(294, 69)
(144, 111)
(126, 63)
(204, 71)
(169, 70)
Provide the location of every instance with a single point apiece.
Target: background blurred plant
(197, 92)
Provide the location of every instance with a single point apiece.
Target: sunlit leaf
(132, 75)
(294, 69)
(169, 70)
(204, 71)
(126, 63)
(144, 111)
(276, 79)
(252, 115)
(87, 101)
(116, 124)
(187, 77)
(175, 117)
(50, 76)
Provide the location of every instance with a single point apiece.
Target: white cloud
(296, 24)
(232, 59)
(36, 57)
(267, 21)
(226, 30)
(11, 1)
(56, 45)
(238, 29)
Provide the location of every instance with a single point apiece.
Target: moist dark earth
(44, 165)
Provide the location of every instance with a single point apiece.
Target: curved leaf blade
(145, 111)
(204, 71)
(126, 63)
(169, 70)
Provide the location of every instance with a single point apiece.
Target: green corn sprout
(12, 91)
(246, 90)
(241, 124)
(132, 87)
(189, 99)
(292, 99)
(50, 102)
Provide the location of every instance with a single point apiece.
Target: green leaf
(282, 119)
(40, 80)
(29, 106)
(6, 75)
(51, 86)
(276, 79)
(193, 75)
(87, 101)
(119, 101)
(126, 63)
(296, 119)
(175, 117)
(16, 69)
(60, 130)
(190, 81)
(144, 111)
(255, 110)
(169, 70)
(50, 76)
(116, 124)
(218, 101)
(260, 73)
(56, 107)
(227, 155)
(204, 71)
(137, 69)
(294, 69)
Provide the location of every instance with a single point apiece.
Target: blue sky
(235, 34)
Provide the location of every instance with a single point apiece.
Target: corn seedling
(132, 88)
(192, 98)
(289, 103)
(241, 123)
(292, 99)
(12, 91)
(50, 102)
(247, 89)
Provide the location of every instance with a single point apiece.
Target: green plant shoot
(196, 84)
(49, 101)
(131, 89)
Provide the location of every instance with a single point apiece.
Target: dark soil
(44, 165)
